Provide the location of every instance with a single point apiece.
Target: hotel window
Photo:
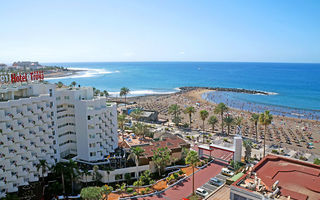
(50, 92)
(92, 153)
(66, 97)
(58, 98)
(90, 127)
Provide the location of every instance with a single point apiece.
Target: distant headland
(239, 90)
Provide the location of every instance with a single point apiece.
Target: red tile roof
(170, 142)
(297, 179)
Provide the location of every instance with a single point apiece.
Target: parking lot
(212, 188)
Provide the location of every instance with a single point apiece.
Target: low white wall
(112, 174)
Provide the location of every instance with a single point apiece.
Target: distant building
(2, 66)
(277, 177)
(146, 115)
(27, 65)
(149, 116)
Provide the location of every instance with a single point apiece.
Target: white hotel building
(39, 121)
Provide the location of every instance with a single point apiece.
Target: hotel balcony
(11, 178)
(8, 143)
(2, 184)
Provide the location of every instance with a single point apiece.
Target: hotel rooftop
(277, 177)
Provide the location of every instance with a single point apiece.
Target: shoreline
(63, 73)
(282, 127)
(201, 99)
(237, 90)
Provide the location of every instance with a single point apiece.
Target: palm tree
(73, 170)
(124, 91)
(121, 121)
(228, 120)
(44, 166)
(190, 110)
(255, 119)
(59, 84)
(237, 122)
(136, 114)
(140, 129)
(96, 176)
(161, 158)
(106, 93)
(265, 119)
(203, 115)
(192, 159)
(73, 83)
(175, 111)
(60, 168)
(136, 152)
(220, 109)
(212, 121)
(247, 145)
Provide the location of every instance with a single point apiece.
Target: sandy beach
(61, 73)
(299, 132)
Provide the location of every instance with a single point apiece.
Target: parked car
(227, 172)
(201, 192)
(215, 181)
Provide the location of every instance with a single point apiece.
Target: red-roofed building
(174, 144)
(278, 177)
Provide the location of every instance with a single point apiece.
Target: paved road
(184, 189)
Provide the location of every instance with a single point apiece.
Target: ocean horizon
(292, 85)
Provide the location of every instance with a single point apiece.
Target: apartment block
(39, 121)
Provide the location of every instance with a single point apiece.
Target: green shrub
(180, 172)
(175, 175)
(274, 151)
(147, 189)
(142, 192)
(135, 194)
(152, 182)
(129, 190)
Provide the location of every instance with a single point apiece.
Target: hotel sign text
(21, 77)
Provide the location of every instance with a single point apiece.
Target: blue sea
(293, 85)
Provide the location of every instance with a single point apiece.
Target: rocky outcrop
(185, 89)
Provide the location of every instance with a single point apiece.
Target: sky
(166, 30)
